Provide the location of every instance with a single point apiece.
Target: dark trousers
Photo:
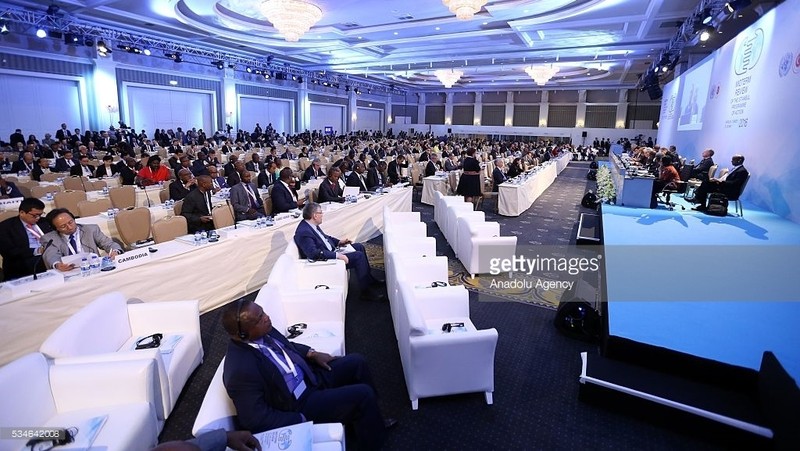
(347, 395)
(707, 187)
(357, 261)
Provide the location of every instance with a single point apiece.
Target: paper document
(345, 249)
(291, 438)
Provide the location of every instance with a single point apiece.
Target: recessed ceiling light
(396, 33)
(360, 37)
(437, 28)
(486, 23)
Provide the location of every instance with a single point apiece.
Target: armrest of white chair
(441, 302)
(328, 432)
(89, 385)
(172, 316)
(217, 410)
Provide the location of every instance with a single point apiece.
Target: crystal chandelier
(541, 74)
(448, 77)
(464, 9)
(292, 18)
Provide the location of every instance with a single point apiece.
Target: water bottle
(49, 196)
(94, 264)
(85, 267)
(203, 238)
(110, 213)
(197, 238)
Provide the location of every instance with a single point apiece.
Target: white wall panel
(369, 119)
(38, 105)
(326, 115)
(254, 110)
(151, 108)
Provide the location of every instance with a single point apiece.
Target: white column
(387, 113)
(303, 108)
(352, 108)
(580, 117)
(544, 109)
(107, 93)
(622, 109)
(478, 110)
(509, 117)
(448, 109)
(421, 108)
(230, 104)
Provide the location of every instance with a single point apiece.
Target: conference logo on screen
(785, 64)
(748, 51)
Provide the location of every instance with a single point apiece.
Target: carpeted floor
(536, 402)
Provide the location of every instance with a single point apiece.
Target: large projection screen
(253, 110)
(327, 115)
(39, 105)
(369, 119)
(150, 108)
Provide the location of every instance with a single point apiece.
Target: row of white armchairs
(435, 363)
(297, 291)
(89, 368)
(474, 241)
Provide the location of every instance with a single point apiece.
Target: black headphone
(242, 335)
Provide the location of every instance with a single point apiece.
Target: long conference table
(214, 273)
(514, 199)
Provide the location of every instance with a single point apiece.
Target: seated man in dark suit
(107, 169)
(8, 189)
(186, 182)
(498, 176)
(329, 189)
(433, 165)
(255, 164)
(730, 184)
(274, 382)
(197, 206)
(65, 163)
(313, 171)
(126, 168)
(20, 239)
(70, 238)
(235, 177)
(314, 244)
(218, 182)
(358, 177)
(376, 177)
(24, 164)
(396, 168)
(268, 176)
(199, 165)
(83, 168)
(42, 167)
(284, 197)
(700, 170)
(245, 199)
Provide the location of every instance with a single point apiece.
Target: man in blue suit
(313, 243)
(284, 197)
(274, 382)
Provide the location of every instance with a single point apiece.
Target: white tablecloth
(432, 184)
(215, 273)
(515, 199)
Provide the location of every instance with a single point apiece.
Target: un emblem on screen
(748, 51)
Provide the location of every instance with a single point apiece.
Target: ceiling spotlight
(218, 64)
(737, 5)
(357, 91)
(300, 79)
(347, 89)
(294, 77)
(147, 52)
(88, 41)
(705, 34)
(178, 58)
(102, 48)
(249, 70)
(41, 33)
(70, 39)
(267, 75)
(231, 66)
(707, 16)
(4, 28)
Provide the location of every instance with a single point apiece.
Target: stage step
(589, 229)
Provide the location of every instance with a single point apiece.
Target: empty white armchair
(108, 328)
(218, 412)
(399, 217)
(292, 273)
(441, 203)
(454, 212)
(437, 363)
(480, 242)
(37, 394)
(321, 311)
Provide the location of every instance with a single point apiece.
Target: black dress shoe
(389, 423)
(699, 208)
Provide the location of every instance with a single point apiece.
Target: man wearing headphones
(275, 383)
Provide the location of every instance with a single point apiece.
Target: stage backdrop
(744, 99)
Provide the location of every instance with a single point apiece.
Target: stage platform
(719, 288)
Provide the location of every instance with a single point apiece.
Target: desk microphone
(39, 258)
(147, 196)
(233, 213)
(83, 184)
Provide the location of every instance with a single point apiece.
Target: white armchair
(290, 272)
(454, 212)
(436, 363)
(37, 394)
(418, 266)
(396, 235)
(107, 330)
(480, 242)
(441, 203)
(218, 412)
(321, 310)
(399, 217)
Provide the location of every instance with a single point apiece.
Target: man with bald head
(197, 206)
(181, 187)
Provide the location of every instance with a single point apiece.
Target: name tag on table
(132, 258)
(10, 204)
(19, 287)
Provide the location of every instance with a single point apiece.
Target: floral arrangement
(606, 192)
